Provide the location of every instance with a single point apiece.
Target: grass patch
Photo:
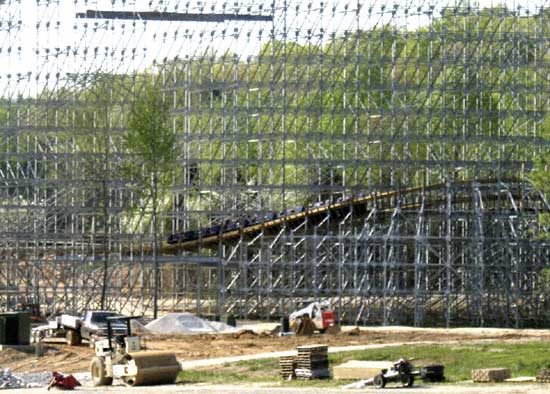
(523, 359)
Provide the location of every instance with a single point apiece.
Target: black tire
(73, 338)
(97, 370)
(407, 380)
(379, 381)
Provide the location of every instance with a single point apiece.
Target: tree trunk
(105, 245)
(155, 246)
(106, 201)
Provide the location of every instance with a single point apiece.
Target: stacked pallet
(543, 375)
(287, 365)
(490, 375)
(312, 362)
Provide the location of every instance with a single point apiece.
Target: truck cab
(94, 325)
(91, 326)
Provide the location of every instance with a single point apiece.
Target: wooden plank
(359, 369)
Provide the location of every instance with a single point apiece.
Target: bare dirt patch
(66, 358)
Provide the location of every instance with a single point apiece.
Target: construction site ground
(259, 389)
(69, 359)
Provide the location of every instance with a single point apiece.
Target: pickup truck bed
(91, 326)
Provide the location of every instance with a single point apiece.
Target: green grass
(523, 359)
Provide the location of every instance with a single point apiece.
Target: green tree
(98, 118)
(150, 142)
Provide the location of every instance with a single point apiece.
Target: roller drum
(151, 368)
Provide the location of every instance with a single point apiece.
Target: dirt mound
(245, 334)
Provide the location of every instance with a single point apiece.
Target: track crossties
(210, 236)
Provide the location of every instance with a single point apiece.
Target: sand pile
(187, 323)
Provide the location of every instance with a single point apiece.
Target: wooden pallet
(490, 375)
(287, 366)
(543, 375)
(312, 362)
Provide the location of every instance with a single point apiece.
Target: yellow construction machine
(121, 357)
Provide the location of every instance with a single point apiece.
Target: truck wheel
(379, 381)
(73, 338)
(407, 380)
(97, 370)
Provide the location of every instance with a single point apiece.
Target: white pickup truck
(91, 326)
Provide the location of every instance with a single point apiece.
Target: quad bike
(401, 372)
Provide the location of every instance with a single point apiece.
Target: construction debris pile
(11, 381)
(312, 362)
(30, 379)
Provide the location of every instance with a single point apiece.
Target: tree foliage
(393, 106)
(150, 139)
(150, 142)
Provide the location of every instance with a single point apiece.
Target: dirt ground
(67, 359)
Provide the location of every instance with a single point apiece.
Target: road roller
(121, 357)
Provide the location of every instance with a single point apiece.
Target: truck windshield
(101, 317)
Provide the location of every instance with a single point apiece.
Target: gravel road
(263, 389)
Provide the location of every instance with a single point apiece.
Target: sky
(42, 43)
